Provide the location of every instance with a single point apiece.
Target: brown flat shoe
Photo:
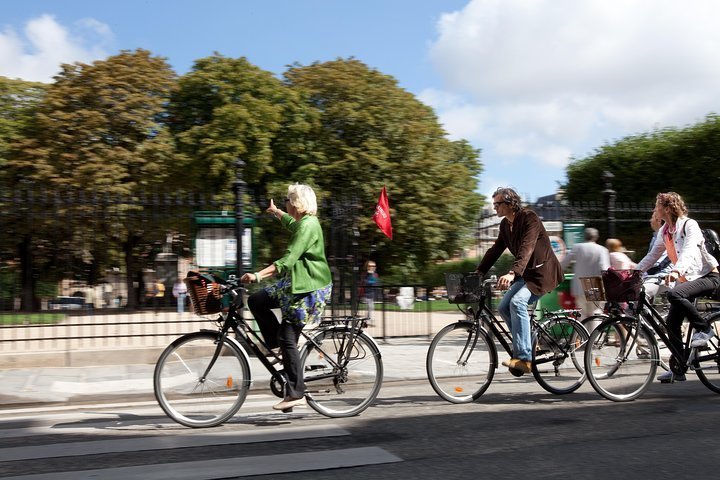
(524, 366)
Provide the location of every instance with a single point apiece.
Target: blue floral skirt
(299, 308)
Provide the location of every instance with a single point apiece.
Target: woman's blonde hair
(614, 245)
(303, 198)
(673, 201)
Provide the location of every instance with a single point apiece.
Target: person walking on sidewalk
(535, 272)
(695, 271)
(304, 287)
(369, 283)
(180, 293)
(589, 260)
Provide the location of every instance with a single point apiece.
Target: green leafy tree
(227, 109)
(684, 160)
(370, 133)
(100, 127)
(19, 101)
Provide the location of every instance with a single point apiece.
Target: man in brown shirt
(535, 272)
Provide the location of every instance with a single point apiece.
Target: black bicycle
(202, 378)
(623, 352)
(462, 357)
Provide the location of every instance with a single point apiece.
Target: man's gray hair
(591, 235)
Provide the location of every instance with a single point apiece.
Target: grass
(30, 318)
(435, 306)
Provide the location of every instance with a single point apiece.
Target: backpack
(712, 242)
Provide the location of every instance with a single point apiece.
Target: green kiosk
(215, 244)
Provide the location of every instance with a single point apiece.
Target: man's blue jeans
(514, 310)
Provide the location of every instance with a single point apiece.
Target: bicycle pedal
(287, 410)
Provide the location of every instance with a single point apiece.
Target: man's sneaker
(700, 339)
(669, 377)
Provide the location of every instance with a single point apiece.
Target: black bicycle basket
(463, 287)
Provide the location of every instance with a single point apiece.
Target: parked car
(66, 303)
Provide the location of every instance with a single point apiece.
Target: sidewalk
(403, 359)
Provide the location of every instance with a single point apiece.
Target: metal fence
(93, 337)
(628, 221)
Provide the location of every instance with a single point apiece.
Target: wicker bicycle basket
(463, 287)
(593, 288)
(613, 286)
(204, 293)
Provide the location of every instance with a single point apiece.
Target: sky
(533, 84)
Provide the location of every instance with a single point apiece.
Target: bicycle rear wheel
(558, 355)
(188, 394)
(461, 362)
(619, 365)
(707, 359)
(341, 382)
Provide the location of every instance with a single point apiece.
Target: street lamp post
(610, 196)
(239, 187)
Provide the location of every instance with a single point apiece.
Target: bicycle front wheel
(706, 362)
(621, 359)
(194, 391)
(343, 372)
(558, 355)
(461, 362)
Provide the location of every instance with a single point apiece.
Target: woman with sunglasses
(303, 288)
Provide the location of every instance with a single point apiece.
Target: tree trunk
(130, 271)
(27, 299)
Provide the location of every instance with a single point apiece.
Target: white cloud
(546, 79)
(44, 45)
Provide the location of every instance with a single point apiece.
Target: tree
(100, 127)
(19, 101)
(683, 160)
(228, 109)
(371, 133)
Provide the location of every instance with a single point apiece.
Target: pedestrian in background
(159, 295)
(588, 259)
(618, 259)
(654, 279)
(369, 283)
(180, 292)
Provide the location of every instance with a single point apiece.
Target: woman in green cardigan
(304, 287)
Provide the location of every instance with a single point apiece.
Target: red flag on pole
(382, 214)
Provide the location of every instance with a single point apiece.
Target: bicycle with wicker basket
(202, 378)
(623, 353)
(463, 356)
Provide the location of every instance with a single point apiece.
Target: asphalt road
(515, 430)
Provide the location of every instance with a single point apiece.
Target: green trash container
(558, 299)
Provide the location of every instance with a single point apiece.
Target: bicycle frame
(498, 329)
(649, 316)
(232, 320)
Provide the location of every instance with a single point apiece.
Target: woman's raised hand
(272, 208)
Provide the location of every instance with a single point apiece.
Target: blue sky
(532, 83)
